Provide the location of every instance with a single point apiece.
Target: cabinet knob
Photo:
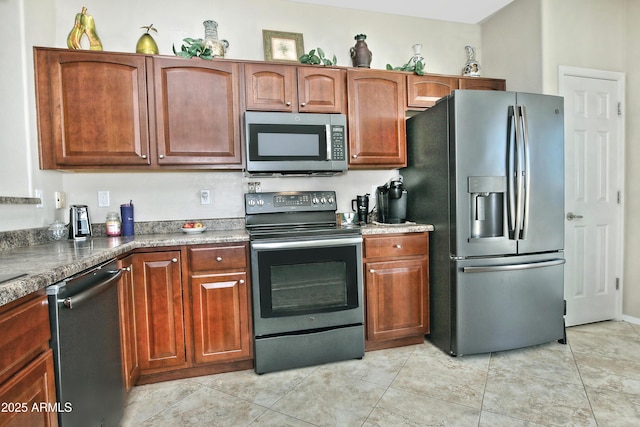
(288, 103)
(303, 104)
(219, 259)
(174, 259)
(161, 156)
(241, 281)
(397, 246)
(355, 156)
(371, 270)
(144, 156)
(126, 269)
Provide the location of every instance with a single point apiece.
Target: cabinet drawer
(25, 333)
(395, 245)
(217, 258)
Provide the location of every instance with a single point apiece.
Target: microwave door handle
(328, 136)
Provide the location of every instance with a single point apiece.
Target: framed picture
(281, 46)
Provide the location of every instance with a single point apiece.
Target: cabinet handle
(355, 156)
(126, 268)
(303, 104)
(174, 259)
(241, 281)
(219, 259)
(144, 156)
(288, 103)
(161, 156)
(371, 270)
(397, 246)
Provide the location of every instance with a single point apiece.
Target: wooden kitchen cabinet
(130, 366)
(424, 91)
(396, 289)
(197, 112)
(92, 109)
(159, 311)
(482, 83)
(119, 110)
(289, 88)
(220, 303)
(26, 364)
(376, 103)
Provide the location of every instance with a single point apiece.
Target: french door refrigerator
(486, 168)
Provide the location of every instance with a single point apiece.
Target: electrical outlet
(103, 199)
(37, 193)
(61, 199)
(205, 197)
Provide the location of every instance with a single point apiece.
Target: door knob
(571, 216)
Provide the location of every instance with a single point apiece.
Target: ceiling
(465, 11)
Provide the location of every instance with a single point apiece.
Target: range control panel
(290, 201)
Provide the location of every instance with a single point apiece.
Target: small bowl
(194, 230)
(58, 230)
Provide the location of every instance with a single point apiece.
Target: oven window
(307, 281)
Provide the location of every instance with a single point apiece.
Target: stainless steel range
(306, 275)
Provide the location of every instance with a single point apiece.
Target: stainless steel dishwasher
(85, 338)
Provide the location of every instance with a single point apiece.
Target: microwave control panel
(338, 151)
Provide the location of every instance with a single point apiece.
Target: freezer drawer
(506, 303)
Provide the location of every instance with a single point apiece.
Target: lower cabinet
(396, 270)
(220, 304)
(27, 385)
(191, 310)
(129, 345)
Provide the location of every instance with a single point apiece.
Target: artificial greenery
(193, 47)
(319, 58)
(416, 67)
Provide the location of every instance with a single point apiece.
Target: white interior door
(594, 171)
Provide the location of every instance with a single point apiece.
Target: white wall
(173, 195)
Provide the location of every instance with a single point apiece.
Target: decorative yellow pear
(146, 44)
(84, 24)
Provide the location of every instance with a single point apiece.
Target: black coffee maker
(391, 201)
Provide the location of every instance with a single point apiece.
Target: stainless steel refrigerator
(486, 168)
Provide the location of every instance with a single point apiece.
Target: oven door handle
(299, 244)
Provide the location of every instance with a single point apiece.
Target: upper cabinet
(424, 91)
(197, 111)
(377, 136)
(92, 109)
(100, 109)
(297, 89)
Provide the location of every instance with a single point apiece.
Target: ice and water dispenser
(487, 206)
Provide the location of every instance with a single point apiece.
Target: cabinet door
(221, 321)
(33, 386)
(92, 109)
(321, 90)
(397, 299)
(197, 113)
(377, 135)
(270, 87)
(482, 83)
(424, 91)
(159, 311)
(130, 366)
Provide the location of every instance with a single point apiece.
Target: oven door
(306, 284)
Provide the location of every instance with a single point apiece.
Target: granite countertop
(44, 264)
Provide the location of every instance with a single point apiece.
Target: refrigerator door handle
(526, 172)
(511, 172)
(512, 267)
(519, 174)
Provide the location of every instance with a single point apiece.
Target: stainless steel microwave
(290, 143)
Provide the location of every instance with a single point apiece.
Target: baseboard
(630, 319)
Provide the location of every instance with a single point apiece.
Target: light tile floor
(592, 381)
